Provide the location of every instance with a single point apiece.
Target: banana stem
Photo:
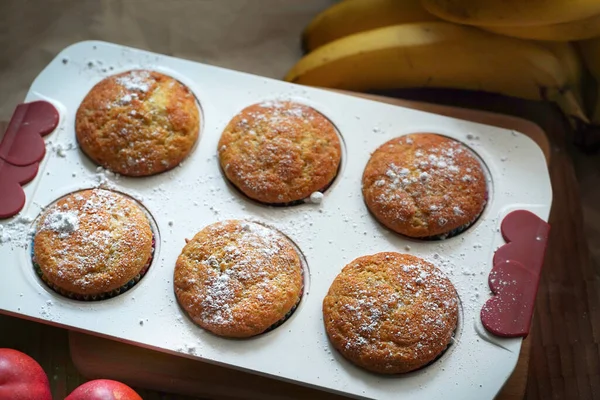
(567, 102)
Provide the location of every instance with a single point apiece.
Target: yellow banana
(562, 32)
(512, 12)
(438, 54)
(353, 16)
(571, 62)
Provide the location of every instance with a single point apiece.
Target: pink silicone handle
(21, 149)
(515, 276)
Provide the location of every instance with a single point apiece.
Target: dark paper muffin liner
(289, 313)
(290, 203)
(285, 317)
(95, 297)
(460, 229)
(453, 232)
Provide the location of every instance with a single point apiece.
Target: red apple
(103, 389)
(21, 377)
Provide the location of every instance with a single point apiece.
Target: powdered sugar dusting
(428, 183)
(135, 80)
(279, 147)
(63, 222)
(17, 233)
(436, 162)
(243, 263)
(316, 197)
(278, 114)
(392, 304)
(270, 103)
(88, 229)
(216, 301)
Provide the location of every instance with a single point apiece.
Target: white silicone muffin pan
(330, 233)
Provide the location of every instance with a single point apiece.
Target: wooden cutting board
(96, 357)
(564, 343)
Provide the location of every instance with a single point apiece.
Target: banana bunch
(513, 47)
(353, 16)
(561, 32)
(556, 20)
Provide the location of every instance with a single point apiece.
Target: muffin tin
(329, 234)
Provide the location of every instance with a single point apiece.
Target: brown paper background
(256, 36)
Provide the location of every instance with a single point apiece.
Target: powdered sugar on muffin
(138, 123)
(424, 185)
(279, 152)
(92, 242)
(238, 278)
(390, 312)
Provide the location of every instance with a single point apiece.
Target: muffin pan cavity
(280, 153)
(138, 123)
(425, 186)
(239, 279)
(327, 233)
(93, 245)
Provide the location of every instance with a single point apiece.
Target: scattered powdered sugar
(126, 99)
(277, 147)
(103, 177)
(135, 80)
(296, 112)
(278, 115)
(316, 197)
(421, 278)
(191, 349)
(79, 258)
(63, 222)
(216, 300)
(17, 232)
(416, 186)
(60, 151)
(47, 311)
(436, 162)
(60, 148)
(367, 316)
(398, 177)
(418, 304)
(272, 103)
(254, 255)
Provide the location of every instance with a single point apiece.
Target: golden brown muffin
(280, 152)
(390, 313)
(424, 185)
(138, 123)
(238, 279)
(93, 244)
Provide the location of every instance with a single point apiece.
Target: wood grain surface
(565, 356)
